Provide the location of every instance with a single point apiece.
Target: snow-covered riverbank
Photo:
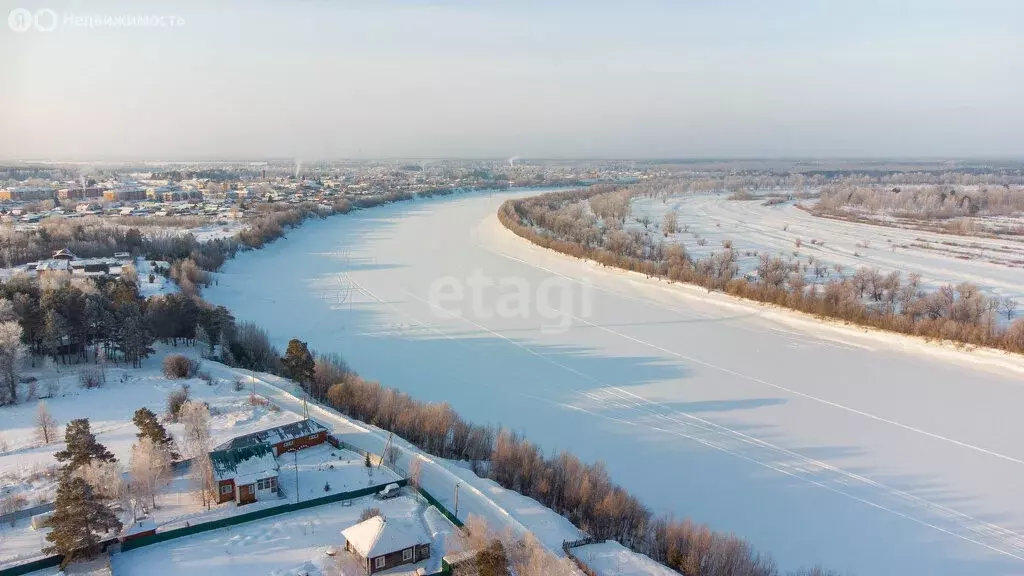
(817, 445)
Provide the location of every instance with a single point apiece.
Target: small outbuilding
(383, 544)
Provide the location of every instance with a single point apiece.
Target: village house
(245, 474)
(294, 436)
(245, 467)
(383, 544)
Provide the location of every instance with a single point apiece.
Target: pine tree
(82, 446)
(150, 427)
(204, 339)
(298, 362)
(133, 336)
(78, 520)
(54, 330)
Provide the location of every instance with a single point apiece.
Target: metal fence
(440, 507)
(48, 562)
(26, 513)
(141, 541)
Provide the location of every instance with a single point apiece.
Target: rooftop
(275, 435)
(245, 463)
(377, 536)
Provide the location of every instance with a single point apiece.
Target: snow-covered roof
(377, 536)
(244, 465)
(53, 265)
(299, 429)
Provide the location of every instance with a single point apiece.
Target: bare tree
(415, 472)
(46, 424)
(201, 475)
(195, 417)
(1008, 306)
(150, 470)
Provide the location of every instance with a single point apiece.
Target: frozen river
(865, 453)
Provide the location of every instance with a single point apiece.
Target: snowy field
(291, 544)
(870, 453)
(612, 559)
(996, 265)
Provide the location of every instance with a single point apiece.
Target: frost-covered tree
(11, 353)
(150, 469)
(195, 418)
(201, 477)
(668, 222)
(105, 478)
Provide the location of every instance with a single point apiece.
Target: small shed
(39, 521)
(383, 544)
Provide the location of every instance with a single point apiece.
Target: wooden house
(384, 544)
(245, 474)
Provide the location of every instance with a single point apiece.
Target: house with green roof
(245, 474)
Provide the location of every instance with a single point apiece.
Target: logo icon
(46, 20)
(20, 19)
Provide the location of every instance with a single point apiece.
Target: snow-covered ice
(871, 453)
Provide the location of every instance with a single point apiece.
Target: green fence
(250, 516)
(141, 541)
(48, 562)
(440, 507)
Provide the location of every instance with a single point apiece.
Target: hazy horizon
(392, 80)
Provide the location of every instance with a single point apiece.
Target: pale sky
(629, 79)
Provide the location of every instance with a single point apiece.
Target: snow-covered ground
(612, 559)
(159, 286)
(287, 545)
(994, 264)
(110, 409)
(28, 469)
(870, 453)
(217, 231)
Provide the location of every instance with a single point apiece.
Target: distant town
(32, 191)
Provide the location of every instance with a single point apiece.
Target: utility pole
(457, 499)
(295, 459)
